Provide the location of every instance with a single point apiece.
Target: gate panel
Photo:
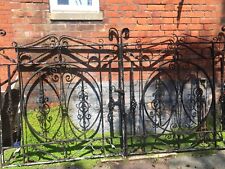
(82, 100)
(171, 99)
(68, 107)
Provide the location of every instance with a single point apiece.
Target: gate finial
(114, 33)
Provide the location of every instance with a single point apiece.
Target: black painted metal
(2, 32)
(89, 100)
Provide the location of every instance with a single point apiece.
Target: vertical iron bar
(42, 104)
(63, 98)
(1, 141)
(179, 92)
(10, 111)
(214, 94)
(121, 98)
(111, 104)
(83, 111)
(141, 98)
(101, 104)
(222, 91)
(132, 103)
(21, 105)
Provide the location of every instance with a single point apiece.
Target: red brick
(128, 21)
(186, 7)
(156, 7)
(213, 14)
(142, 14)
(156, 14)
(195, 26)
(168, 14)
(128, 14)
(114, 1)
(144, 17)
(143, 21)
(169, 7)
(170, 1)
(147, 1)
(209, 20)
(209, 26)
(168, 20)
(195, 1)
(147, 27)
(154, 21)
(195, 33)
(128, 8)
(195, 20)
(168, 27)
(112, 14)
(182, 20)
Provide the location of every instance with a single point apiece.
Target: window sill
(78, 16)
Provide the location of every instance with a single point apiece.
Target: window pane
(89, 3)
(84, 2)
(63, 2)
(79, 2)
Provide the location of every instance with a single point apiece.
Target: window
(74, 6)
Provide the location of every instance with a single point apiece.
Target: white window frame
(73, 7)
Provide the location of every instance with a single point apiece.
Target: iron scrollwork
(83, 109)
(85, 100)
(157, 104)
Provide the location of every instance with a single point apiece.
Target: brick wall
(6, 22)
(26, 20)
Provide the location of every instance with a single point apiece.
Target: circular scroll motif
(177, 99)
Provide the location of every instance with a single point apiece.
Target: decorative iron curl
(174, 42)
(54, 74)
(101, 42)
(220, 42)
(119, 36)
(49, 41)
(2, 32)
(69, 77)
(14, 44)
(26, 59)
(221, 36)
(178, 39)
(64, 43)
(43, 117)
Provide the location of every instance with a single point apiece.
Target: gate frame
(121, 48)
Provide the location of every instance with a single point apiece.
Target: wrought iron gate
(88, 100)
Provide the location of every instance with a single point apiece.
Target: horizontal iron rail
(109, 44)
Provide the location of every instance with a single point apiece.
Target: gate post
(222, 97)
(124, 34)
(2, 33)
(1, 141)
(214, 94)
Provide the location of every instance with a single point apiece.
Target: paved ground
(177, 161)
(215, 161)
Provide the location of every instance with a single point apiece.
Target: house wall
(28, 20)
(6, 22)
